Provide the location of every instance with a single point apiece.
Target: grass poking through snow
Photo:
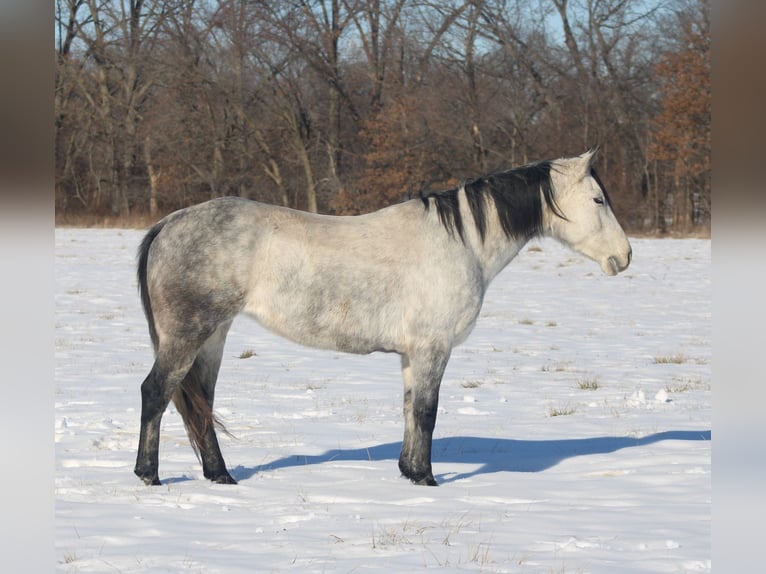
(561, 411)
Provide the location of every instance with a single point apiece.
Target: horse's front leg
(422, 373)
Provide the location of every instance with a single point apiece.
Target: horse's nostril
(630, 255)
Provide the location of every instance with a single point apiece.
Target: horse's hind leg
(194, 400)
(168, 371)
(422, 372)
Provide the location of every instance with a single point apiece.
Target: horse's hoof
(425, 481)
(224, 479)
(149, 480)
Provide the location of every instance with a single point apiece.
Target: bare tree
(68, 141)
(378, 25)
(349, 105)
(315, 29)
(119, 37)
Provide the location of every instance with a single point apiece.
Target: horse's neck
(496, 253)
(497, 250)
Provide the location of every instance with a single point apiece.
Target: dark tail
(193, 404)
(143, 258)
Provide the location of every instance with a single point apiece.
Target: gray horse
(407, 279)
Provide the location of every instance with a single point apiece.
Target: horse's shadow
(491, 454)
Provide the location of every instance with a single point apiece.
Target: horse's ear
(587, 159)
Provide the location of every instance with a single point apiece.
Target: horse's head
(585, 221)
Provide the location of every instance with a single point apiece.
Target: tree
(115, 82)
(314, 29)
(682, 139)
(69, 141)
(349, 105)
(400, 158)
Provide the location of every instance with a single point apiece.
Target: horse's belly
(338, 327)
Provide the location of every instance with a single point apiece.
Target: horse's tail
(143, 258)
(193, 404)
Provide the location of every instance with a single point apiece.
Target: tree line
(345, 106)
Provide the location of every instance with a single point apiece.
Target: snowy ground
(573, 434)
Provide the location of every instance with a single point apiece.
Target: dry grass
(588, 384)
(558, 367)
(471, 384)
(88, 220)
(673, 359)
(69, 557)
(702, 232)
(685, 384)
(561, 411)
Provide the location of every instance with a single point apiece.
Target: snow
(573, 432)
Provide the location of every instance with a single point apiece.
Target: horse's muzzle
(614, 266)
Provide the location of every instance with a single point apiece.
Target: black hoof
(225, 480)
(148, 479)
(425, 478)
(426, 481)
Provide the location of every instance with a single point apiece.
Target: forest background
(345, 106)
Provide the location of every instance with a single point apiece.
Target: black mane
(595, 176)
(515, 193)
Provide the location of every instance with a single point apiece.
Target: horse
(408, 279)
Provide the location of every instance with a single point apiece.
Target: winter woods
(344, 106)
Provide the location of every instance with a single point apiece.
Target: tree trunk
(154, 177)
(308, 172)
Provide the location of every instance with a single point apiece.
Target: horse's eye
(598, 201)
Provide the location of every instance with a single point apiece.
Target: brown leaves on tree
(681, 131)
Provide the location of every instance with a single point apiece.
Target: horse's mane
(515, 194)
(600, 183)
